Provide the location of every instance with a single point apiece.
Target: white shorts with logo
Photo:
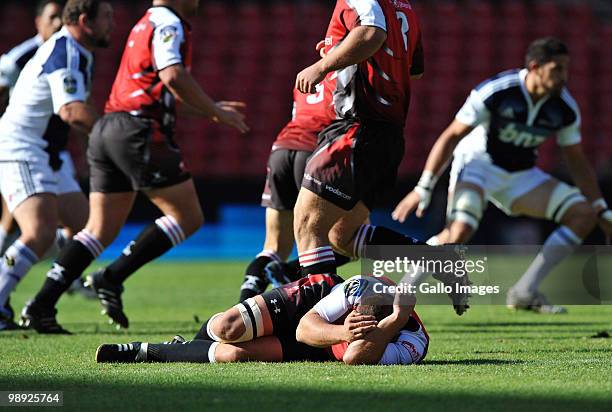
(20, 180)
(501, 187)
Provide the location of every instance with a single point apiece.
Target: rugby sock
(293, 268)
(433, 241)
(561, 243)
(153, 241)
(203, 332)
(369, 235)
(16, 263)
(255, 281)
(198, 351)
(318, 260)
(73, 259)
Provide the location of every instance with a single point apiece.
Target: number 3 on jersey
(318, 96)
(401, 16)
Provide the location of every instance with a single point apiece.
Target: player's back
(61, 61)
(382, 83)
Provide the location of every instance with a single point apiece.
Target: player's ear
(533, 65)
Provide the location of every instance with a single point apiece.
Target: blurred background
(252, 50)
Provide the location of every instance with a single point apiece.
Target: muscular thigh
(535, 202)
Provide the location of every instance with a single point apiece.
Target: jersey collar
(533, 109)
(65, 33)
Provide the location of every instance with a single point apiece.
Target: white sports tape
(209, 326)
(561, 199)
(467, 207)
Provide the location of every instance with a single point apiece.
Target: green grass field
(489, 359)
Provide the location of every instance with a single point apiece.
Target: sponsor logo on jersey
(510, 134)
(168, 33)
(9, 260)
(355, 287)
(414, 353)
(70, 84)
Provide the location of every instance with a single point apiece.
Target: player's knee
(580, 217)
(230, 327)
(230, 353)
(39, 236)
(341, 241)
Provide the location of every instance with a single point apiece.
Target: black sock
(193, 351)
(255, 281)
(70, 264)
(150, 244)
(369, 237)
(203, 332)
(341, 259)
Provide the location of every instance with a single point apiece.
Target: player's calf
(580, 218)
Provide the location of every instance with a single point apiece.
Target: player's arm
(9, 72)
(439, 157)
(360, 44)
(585, 178)
(370, 349)
(79, 116)
(187, 91)
(316, 331)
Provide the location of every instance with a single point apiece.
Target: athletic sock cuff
(171, 229)
(90, 242)
(316, 256)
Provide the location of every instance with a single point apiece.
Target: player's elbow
(78, 116)
(171, 76)
(301, 334)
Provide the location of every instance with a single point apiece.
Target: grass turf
(489, 359)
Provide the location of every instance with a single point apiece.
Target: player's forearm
(441, 153)
(79, 116)
(369, 350)
(314, 331)
(360, 44)
(187, 91)
(584, 176)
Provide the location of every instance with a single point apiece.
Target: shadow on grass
(101, 395)
(472, 362)
(522, 324)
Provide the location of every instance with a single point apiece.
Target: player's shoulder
(566, 105)
(24, 51)
(62, 51)
(500, 82)
(162, 16)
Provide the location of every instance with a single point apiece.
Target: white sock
(15, 264)
(433, 241)
(557, 247)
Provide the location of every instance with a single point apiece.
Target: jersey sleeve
(407, 349)
(364, 13)
(570, 135)
(9, 71)
(167, 40)
(333, 306)
(474, 111)
(67, 86)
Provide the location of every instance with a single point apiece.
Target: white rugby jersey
(59, 73)
(515, 126)
(14, 61)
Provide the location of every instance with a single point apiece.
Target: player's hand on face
(229, 114)
(412, 201)
(357, 326)
(307, 80)
(320, 47)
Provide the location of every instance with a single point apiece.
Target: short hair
(378, 311)
(544, 50)
(40, 6)
(74, 8)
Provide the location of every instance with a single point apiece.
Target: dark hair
(40, 6)
(544, 50)
(378, 311)
(74, 8)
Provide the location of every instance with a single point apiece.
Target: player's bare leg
(265, 349)
(314, 218)
(467, 208)
(235, 324)
(7, 227)
(37, 217)
(555, 201)
(277, 248)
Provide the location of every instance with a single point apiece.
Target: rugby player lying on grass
(317, 318)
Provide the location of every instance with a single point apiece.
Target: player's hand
(229, 114)
(307, 80)
(605, 223)
(320, 47)
(418, 199)
(357, 326)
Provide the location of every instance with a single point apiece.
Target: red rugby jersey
(159, 40)
(311, 114)
(378, 89)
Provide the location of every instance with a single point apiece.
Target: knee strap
(561, 199)
(209, 326)
(467, 207)
(252, 319)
